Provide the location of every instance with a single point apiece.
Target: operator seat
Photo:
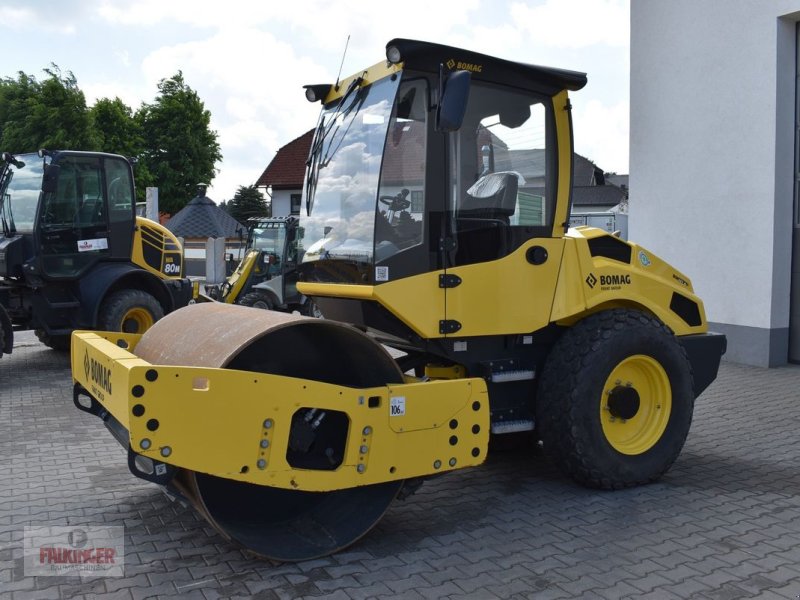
(493, 196)
(483, 221)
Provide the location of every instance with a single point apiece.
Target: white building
(714, 161)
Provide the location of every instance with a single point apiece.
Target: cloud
(251, 82)
(601, 134)
(129, 94)
(248, 59)
(12, 17)
(574, 23)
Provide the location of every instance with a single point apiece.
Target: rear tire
(615, 400)
(129, 311)
(56, 342)
(256, 300)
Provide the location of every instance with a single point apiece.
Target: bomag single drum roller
(274, 522)
(282, 406)
(437, 194)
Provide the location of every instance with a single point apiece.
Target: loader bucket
(275, 523)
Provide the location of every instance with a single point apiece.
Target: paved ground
(723, 524)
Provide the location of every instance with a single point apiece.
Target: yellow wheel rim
(137, 320)
(635, 405)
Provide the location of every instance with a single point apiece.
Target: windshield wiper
(323, 131)
(358, 101)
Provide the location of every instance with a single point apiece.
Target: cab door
(503, 267)
(87, 216)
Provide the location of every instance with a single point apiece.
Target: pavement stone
(722, 524)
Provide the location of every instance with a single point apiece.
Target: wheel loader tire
(56, 342)
(129, 311)
(256, 300)
(615, 400)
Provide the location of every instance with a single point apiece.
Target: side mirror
(452, 100)
(50, 179)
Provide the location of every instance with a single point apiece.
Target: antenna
(336, 87)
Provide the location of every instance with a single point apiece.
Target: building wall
(281, 202)
(712, 155)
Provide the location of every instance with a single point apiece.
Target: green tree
(116, 130)
(47, 114)
(247, 202)
(180, 148)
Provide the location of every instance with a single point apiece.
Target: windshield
(20, 190)
(268, 237)
(343, 176)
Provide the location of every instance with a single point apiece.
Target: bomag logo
(464, 66)
(96, 372)
(615, 280)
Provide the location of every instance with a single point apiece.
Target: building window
(294, 201)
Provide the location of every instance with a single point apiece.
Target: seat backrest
(493, 196)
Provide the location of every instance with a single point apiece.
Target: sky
(248, 59)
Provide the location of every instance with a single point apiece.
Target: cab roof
(427, 56)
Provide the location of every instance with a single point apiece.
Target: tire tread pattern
(559, 397)
(252, 298)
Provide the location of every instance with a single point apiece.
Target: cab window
(401, 196)
(499, 173)
(73, 221)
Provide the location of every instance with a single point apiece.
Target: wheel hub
(623, 402)
(635, 405)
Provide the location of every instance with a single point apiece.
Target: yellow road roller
(459, 305)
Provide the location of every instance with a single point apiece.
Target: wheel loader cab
(269, 238)
(86, 212)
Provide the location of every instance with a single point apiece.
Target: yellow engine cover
(157, 250)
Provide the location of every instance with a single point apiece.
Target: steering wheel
(398, 202)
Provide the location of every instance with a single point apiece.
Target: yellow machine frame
(436, 426)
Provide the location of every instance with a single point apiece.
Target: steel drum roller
(276, 523)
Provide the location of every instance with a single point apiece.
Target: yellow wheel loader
(266, 277)
(73, 253)
(438, 195)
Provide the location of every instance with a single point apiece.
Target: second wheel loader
(267, 275)
(438, 193)
(73, 253)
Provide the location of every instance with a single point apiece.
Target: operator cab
(77, 208)
(269, 237)
(378, 206)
